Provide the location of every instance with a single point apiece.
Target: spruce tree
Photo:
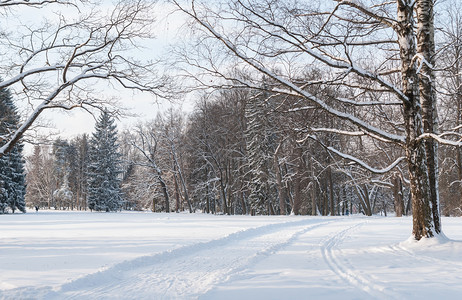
(12, 177)
(104, 169)
(260, 144)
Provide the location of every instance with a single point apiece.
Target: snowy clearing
(81, 255)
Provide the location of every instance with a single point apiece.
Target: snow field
(75, 255)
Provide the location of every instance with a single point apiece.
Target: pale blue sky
(143, 105)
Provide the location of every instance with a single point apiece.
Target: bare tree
(398, 37)
(64, 62)
(40, 178)
(148, 148)
(449, 63)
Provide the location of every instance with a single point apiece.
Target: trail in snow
(332, 254)
(297, 270)
(183, 273)
(223, 257)
(347, 259)
(189, 271)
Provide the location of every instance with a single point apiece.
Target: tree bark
(398, 196)
(426, 51)
(423, 223)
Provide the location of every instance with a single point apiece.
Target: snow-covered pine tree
(104, 193)
(12, 177)
(260, 144)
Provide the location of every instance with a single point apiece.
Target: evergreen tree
(12, 177)
(260, 144)
(104, 192)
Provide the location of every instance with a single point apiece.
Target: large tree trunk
(426, 51)
(423, 218)
(459, 121)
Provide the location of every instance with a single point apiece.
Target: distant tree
(41, 178)
(148, 148)
(104, 168)
(50, 166)
(64, 195)
(215, 149)
(34, 195)
(339, 37)
(81, 144)
(172, 132)
(12, 177)
(261, 144)
(61, 168)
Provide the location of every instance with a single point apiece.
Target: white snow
(83, 255)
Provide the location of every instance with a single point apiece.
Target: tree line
(238, 152)
(336, 100)
(386, 61)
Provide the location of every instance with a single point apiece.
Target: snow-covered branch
(11, 3)
(439, 138)
(368, 103)
(384, 20)
(359, 161)
(333, 130)
(62, 67)
(300, 92)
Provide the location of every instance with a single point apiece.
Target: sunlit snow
(83, 255)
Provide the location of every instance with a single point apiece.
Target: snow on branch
(368, 103)
(384, 20)
(298, 91)
(25, 74)
(333, 130)
(5, 3)
(359, 161)
(439, 138)
(337, 63)
(61, 67)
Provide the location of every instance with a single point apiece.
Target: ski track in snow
(183, 273)
(331, 253)
(196, 270)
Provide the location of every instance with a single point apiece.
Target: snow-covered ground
(75, 255)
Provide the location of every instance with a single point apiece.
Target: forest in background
(241, 152)
(307, 108)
